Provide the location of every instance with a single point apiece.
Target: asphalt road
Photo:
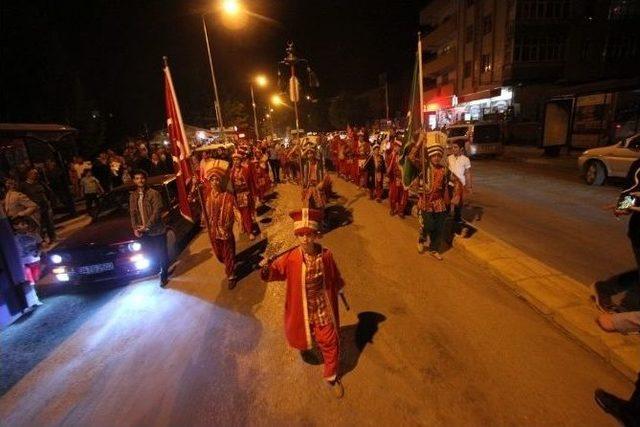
(552, 215)
(426, 343)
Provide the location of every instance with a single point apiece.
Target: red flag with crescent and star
(179, 146)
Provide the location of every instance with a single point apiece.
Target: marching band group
(235, 179)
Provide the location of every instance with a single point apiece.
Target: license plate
(95, 269)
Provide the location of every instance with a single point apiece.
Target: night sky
(62, 58)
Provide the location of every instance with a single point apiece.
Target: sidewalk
(535, 155)
(560, 298)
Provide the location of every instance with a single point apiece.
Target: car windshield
(457, 131)
(486, 133)
(114, 202)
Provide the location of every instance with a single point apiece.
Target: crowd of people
(234, 180)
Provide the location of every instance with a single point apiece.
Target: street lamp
(276, 99)
(230, 8)
(261, 81)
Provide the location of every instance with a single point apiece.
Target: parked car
(107, 248)
(480, 138)
(612, 161)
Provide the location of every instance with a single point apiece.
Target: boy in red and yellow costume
(220, 212)
(313, 284)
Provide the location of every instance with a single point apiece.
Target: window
(468, 34)
(622, 47)
(485, 65)
(467, 69)
(634, 143)
(534, 48)
(486, 24)
(542, 9)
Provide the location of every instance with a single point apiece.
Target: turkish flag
(179, 146)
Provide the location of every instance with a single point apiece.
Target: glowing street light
(276, 99)
(231, 7)
(261, 80)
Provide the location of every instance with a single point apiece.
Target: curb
(561, 299)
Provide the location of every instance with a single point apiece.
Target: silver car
(612, 161)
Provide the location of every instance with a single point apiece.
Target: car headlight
(56, 259)
(135, 246)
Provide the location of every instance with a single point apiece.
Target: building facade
(504, 59)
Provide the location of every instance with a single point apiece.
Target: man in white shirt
(460, 167)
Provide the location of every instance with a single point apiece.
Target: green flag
(409, 171)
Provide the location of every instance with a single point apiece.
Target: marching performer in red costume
(313, 284)
(220, 210)
(312, 181)
(375, 170)
(398, 195)
(244, 190)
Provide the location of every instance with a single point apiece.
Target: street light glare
(231, 7)
(261, 80)
(276, 99)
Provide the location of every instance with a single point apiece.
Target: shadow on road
(354, 339)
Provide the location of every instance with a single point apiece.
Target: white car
(480, 138)
(612, 161)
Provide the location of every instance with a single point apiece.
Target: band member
(363, 172)
(146, 206)
(375, 171)
(460, 168)
(244, 191)
(313, 283)
(220, 210)
(398, 195)
(312, 181)
(432, 202)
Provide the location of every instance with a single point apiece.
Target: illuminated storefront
(484, 105)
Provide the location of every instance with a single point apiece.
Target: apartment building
(506, 58)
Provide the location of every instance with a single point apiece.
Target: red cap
(306, 221)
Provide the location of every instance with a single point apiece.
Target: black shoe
(164, 278)
(616, 407)
(232, 282)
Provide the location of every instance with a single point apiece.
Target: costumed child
(313, 284)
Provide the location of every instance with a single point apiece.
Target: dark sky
(108, 54)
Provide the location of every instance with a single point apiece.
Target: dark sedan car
(108, 249)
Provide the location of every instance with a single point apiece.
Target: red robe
(291, 267)
(244, 192)
(398, 195)
(221, 218)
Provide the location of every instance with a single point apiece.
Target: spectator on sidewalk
(274, 162)
(626, 411)
(18, 204)
(157, 166)
(29, 244)
(41, 195)
(91, 190)
(460, 167)
(101, 171)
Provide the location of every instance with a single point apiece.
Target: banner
(179, 145)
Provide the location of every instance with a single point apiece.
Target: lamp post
(216, 102)
(291, 61)
(230, 8)
(262, 82)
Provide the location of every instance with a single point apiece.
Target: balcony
(443, 33)
(439, 64)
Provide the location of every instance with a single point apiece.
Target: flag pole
(421, 110)
(195, 182)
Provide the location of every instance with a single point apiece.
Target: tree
(235, 113)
